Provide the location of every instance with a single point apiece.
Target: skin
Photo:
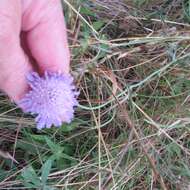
(32, 38)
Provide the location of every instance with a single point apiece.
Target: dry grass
(131, 64)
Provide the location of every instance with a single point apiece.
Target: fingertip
(47, 37)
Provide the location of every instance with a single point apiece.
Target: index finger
(46, 34)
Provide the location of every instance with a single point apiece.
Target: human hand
(32, 38)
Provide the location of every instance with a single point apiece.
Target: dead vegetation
(131, 64)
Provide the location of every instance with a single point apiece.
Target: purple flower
(52, 98)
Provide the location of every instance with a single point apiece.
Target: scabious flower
(52, 98)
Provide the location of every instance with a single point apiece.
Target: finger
(13, 63)
(46, 34)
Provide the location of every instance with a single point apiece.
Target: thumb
(14, 64)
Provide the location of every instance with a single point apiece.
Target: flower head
(52, 98)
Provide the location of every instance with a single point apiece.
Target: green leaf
(55, 148)
(30, 176)
(40, 138)
(28, 148)
(98, 24)
(186, 9)
(70, 127)
(86, 11)
(46, 170)
(174, 149)
(49, 188)
(186, 171)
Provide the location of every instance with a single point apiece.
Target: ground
(131, 63)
